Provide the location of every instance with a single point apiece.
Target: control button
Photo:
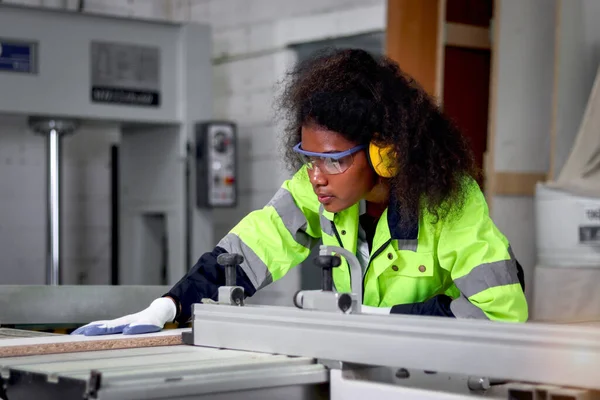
(229, 180)
(221, 142)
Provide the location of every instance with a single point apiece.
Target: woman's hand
(151, 319)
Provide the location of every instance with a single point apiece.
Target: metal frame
(538, 353)
(161, 373)
(345, 388)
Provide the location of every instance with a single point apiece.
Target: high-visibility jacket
(460, 266)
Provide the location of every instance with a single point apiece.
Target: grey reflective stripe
(461, 307)
(408, 244)
(325, 223)
(292, 217)
(253, 266)
(484, 276)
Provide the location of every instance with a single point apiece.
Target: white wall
(524, 77)
(250, 52)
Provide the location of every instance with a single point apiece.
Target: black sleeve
(203, 281)
(436, 306)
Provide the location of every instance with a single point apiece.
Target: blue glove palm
(152, 319)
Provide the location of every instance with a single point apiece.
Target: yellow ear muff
(382, 160)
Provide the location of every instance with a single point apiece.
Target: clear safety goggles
(328, 163)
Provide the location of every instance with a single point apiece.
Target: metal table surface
(174, 372)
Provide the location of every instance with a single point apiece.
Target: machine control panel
(216, 169)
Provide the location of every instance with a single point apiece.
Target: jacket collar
(411, 232)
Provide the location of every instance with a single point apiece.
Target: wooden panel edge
(516, 183)
(82, 346)
(469, 36)
(440, 54)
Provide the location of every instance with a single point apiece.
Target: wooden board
(414, 39)
(516, 183)
(29, 346)
(467, 36)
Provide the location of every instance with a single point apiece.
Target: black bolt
(402, 373)
(326, 263)
(230, 261)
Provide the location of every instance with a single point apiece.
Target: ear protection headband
(382, 160)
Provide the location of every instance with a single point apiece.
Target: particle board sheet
(18, 347)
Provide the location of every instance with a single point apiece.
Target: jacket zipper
(379, 251)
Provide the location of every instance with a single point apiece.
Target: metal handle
(355, 270)
(230, 261)
(327, 263)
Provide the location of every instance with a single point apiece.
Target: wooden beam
(469, 36)
(414, 37)
(516, 183)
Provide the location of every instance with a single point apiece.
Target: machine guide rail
(535, 353)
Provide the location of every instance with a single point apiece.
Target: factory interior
(136, 136)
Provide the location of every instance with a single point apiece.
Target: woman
(383, 173)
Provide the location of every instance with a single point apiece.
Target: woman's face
(337, 191)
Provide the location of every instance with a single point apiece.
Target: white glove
(375, 310)
(152, 319)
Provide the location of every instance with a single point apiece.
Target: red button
(229, 180)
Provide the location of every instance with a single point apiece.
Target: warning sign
(125, 74)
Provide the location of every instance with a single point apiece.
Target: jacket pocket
(413, 264)
(410, 277)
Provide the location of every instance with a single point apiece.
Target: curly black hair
(358, 94)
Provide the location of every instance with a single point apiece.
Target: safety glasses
(328, 163)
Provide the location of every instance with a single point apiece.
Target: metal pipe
(54, 130)
(53, 237)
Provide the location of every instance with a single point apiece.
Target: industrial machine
(147, 84)
(325, 348)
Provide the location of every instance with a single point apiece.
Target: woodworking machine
(324, 348)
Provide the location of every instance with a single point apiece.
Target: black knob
(326, 263)
(230, 261)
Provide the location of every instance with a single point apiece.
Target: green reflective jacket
(466, 257)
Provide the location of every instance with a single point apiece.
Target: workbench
(325, 347)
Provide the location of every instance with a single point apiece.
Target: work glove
(152, 319)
